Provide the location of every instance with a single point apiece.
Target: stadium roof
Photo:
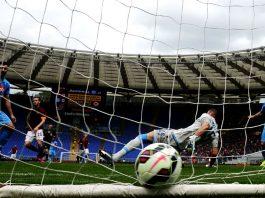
(38, 66)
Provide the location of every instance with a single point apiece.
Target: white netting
(84, 57)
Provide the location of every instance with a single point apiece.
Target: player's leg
(7, 127)
(53, 156)
(46, 151)
(263, 146)
(81, 155)
(39, 138)
(86, 155)
(50, 156)
(134, 143)
(28, 140)
(214, 150)
(46, 145)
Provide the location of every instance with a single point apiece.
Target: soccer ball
(158, 164)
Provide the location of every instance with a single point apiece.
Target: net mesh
(82, 58)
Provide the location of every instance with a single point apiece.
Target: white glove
(193, 138)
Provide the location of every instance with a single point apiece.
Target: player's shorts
(215, 140)
(164, 136)
(52, 152)
(263, 135)
(31, 135)
(4, 119)
(86, 151)
(13, 156)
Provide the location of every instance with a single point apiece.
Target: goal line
(123, 190)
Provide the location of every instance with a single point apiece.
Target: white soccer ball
(158, 164)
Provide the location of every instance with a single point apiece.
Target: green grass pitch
(73, 173)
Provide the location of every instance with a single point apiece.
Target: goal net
(68, 156)
(109, 71)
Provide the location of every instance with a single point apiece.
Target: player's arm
(255, 115)
(9, 108)
(197, 135)
(43, 119)
(258, 113)
(205, 126)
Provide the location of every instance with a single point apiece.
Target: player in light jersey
(258, 114)
(204, 126)
(6, 123)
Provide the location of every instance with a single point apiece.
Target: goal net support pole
(119, 190)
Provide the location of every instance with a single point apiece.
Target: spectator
(13, 152)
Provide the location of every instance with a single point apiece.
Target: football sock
(4, 136)
(130, 146)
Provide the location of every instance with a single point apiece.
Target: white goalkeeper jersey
(181, 135)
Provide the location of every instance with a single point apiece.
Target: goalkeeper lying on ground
(204, 126)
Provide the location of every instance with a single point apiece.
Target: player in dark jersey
(13, 152)
(83, 154)
(35, 120)
(49, 136)
(6, 123)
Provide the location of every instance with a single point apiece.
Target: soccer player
(52, 151)
(85, 148)
(13, 152)
(35, 120)
(6, 124)
(258, 114)
(83, 154)
(49, 135)
(204, 127)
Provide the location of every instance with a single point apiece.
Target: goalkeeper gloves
(193, 138)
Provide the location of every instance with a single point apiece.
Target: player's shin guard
(5, 134)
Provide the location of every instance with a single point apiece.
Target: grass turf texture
(73, 173)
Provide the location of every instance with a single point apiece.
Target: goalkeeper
(204, 127)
